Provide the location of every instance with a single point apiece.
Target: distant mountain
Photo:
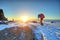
(16, 33)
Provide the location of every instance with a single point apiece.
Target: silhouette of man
(41, 17)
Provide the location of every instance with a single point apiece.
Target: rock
(18, 33)
(2, 17)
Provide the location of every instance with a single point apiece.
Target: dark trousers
(41, 21)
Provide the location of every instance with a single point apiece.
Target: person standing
(41, 16)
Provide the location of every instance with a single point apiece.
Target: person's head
(41, 15)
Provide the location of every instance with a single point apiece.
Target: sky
(31, 8)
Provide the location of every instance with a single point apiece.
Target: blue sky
(12, 9)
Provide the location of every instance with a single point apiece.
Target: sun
(24, 18)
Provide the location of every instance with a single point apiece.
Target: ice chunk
(58, 34)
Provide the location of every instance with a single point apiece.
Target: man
(41, 17)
